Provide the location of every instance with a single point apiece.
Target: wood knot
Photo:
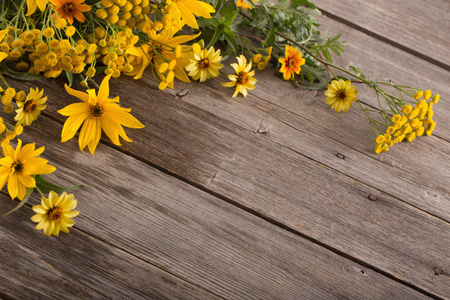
(340, 155)
(438, 271)
(372, 197)
(182, 93)
(263, 128)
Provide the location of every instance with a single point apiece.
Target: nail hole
(340, 155)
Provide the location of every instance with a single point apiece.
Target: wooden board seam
(417, 54)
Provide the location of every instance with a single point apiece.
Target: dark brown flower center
(30, 106)
(341, 95)
(242, 78)
(69, 8)
(55, 213)
(17, 166)
(204, 64)
(96, 111)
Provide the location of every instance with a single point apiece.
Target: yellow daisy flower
(19, 166)
(291, 63)
(204, 65)
(30, 109)
(340, 95)
(97, 112)
(243, 79)
(191, 8)
(54, 213)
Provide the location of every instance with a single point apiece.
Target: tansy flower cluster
(411, 123)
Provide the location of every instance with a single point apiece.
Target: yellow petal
(80, 95)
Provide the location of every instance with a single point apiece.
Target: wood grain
(300, 120)
(77, 266)
(420, 26)
(273, 196)
(302, 194)
(200, 238)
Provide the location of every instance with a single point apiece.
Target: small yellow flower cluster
(7, 98)
(110, 50)
(261, 61)
(47, 53)
(124, 13)
(8, 134)
(413, 122)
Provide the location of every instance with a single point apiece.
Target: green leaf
(229, 37)
(229, 20)
(19, 75)
(45, 187)
(270, 39)
(69, 76)
(217, 5)
(22, 203)
(295, 3)
(100, 70)
(314, 86)
(227, 8)
(217, 34)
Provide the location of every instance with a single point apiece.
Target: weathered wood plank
(301, 121)
(196, 236)
(282, 185)
(422, 26)
(76, 266)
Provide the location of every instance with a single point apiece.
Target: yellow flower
(243, 79)
(68, 9)
(161, 45)
(34, 4)
(340, 95)
(30, 109)
(205, 65)
(244, 5)
(19, 166)
(189, 8)
(291, 63)
(97, 112)
(3, 33)
(53, 214)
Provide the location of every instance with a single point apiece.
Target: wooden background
(273, 196)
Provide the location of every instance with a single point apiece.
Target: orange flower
(291, 63)
(67, 9)
(244, 5)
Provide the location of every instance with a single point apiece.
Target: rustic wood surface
(273, 196)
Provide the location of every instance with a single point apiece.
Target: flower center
(69, 8)
(96, 111)
(341, 95)
(204, 64)
(55, 213)
(154, 48)
(242, 78)
(290, 63)
(30, 106)
(17, 166)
